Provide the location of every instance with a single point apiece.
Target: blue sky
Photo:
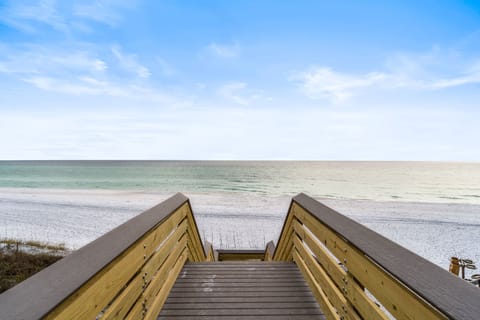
(314, 80)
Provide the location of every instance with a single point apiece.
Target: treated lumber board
(282, 297)
(122, 304)
(259, 299)
(161, 276)
(214, 284)
(235, 255)
(65, 277)
(240, 263)
(399, 300)
(159, 300)
(92, 297)
(247, 276)
(250, 312)
(247, 317)
(284, 237)
(269, 251)
(210, 253)
(332, 292)
(322, 299)
(354, 293)
(226, 289)
(258, 280)
(447, 293)
(193, 232)
(306, 293)
(243, 305)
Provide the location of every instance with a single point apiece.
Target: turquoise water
(398, 181)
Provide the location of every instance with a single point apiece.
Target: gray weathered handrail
(42, 294)
(313, 233)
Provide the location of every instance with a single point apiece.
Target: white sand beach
(435, 231)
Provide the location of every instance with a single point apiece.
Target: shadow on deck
(325, 265)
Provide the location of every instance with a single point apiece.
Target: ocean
(431, 208)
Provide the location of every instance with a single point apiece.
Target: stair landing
(241, 290)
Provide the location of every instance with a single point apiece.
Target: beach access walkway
(323, 266)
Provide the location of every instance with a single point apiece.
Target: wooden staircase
(241, 290)
(325, 265)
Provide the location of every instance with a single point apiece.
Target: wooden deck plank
(241, 294)
(241, 290)
(245, 317)
(241, 312)
(222, 299)
(243, 305)
(242, 276)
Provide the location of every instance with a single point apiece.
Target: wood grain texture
(450, 296)
(343, 280)
(63, 278)
(233, 295)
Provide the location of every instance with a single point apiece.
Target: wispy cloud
(25, 16)
(320, 82)
(90, 86)
(429, 71)
(129, 63)
(239, 93)
(224, 50)
(84, 71)
(38, 60)
(232, 91)
(62, 16)
(106, 12)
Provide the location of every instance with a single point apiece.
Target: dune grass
(21, 259)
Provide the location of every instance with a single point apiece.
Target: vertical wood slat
(195, 239)
(285, 237)
(210, 254)
(269, 251)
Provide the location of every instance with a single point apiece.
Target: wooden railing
(355, 273)
(127, 273)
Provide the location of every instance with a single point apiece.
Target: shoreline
(76, 217)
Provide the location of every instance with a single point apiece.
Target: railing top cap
(38, 295)
(451, 295)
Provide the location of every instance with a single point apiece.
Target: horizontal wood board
(243, 290)
(451, 295)
(48, 288)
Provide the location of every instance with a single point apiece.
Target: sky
(240, 80)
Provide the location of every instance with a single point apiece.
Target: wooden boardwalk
(241, 290)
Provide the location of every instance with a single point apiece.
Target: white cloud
(23, 16)
(431, 71)
(82, 71)
(63, 16)
(106, 11)
(232, 91)
(39, 60)
(90, 86)
(239, 93)
(324, 82)
(224, 50)
(129, 63)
